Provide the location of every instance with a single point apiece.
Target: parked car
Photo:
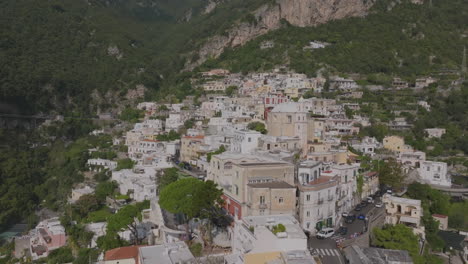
(343, 230)
(363, 203)
(326, 233)
(361, 217)
(378, 204)
(370, 200)
(350, 219)
(345, 214)
(358, 208)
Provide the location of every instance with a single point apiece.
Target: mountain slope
(273, 15)
(405, 39)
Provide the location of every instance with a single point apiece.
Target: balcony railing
(320, 201)
(262, 206)
(330, 198)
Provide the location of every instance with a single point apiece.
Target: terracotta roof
(440, 216)
(320, 180)
(372, 173)
(122, 253)
(272, 185)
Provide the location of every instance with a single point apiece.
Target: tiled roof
(320, 180)
(123, 253)
(272, 185)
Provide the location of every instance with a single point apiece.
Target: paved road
(326, 248)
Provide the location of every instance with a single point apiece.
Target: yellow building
(190, 148)
(396, 143)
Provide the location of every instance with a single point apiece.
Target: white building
(214, 86)
(254, 234)
(172, 253)
(411, 159)
(139, 183)
(342, 83)
(346, 192)
(78, 192)
(403, 211)
(435, 132)
(317, 197)
(245, 141)
(174, 121)
(434, 173)
(367, 146)
(96, 164)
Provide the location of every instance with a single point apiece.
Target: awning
(408, 219)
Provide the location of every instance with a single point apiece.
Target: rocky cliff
(300, 13)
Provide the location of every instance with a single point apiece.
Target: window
(428, 168)
(289, 119)
(308, 197)
(281, 200)
(262, 212)
(262, 199)
(249, 139)
(308, 225)
(237, 189)
(308, 213)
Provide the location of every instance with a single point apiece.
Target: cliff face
(300, 13)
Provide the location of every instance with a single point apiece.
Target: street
(327, 249)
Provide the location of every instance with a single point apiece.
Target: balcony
(320, 201)
(263, 206)
(331, 197)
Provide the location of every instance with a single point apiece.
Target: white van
(326, 233)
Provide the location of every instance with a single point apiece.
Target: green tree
(391, 174)
(169, 176)
(125, 164)
(86, 204)
(125, 219)
(190, 197)
(257, 126)
(172, 135)
(220, 150)
(397, 237)
(131, 115)
(104, 189)
(436, 201)
(360, 183)
(196, 249)
(231, 90)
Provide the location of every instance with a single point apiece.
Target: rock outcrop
(268, 17)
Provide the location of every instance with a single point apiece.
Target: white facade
(367, 146)
(174, 121)
(245, 141)
(435, 132)
(346, 193)
(435, 173)
(139, 183)
(317, 197)
(106, 164)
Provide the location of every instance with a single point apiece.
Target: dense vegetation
(402, 237)
(409, 40)
(68, 55)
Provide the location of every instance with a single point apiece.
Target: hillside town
(298, 181)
